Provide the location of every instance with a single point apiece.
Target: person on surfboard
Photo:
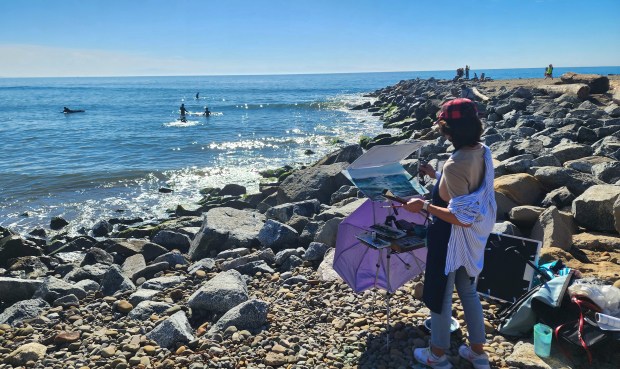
(183, 111)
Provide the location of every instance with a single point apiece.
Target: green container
(542, 340)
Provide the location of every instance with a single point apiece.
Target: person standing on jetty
(463, 211)
(549, 72)
(467, 72)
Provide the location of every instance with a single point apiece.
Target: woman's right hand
(427, 169)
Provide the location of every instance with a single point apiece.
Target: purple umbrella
(363, 266)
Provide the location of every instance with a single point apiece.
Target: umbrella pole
(387, 300)
(374, 292)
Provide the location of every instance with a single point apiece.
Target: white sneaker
(480, 361)
(426, 357)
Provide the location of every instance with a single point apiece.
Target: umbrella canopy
(362, 266)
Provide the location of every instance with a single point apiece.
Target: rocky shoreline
(245, 280)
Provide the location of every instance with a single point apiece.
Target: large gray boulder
(328, 231)
(585, 164)
(504, 205)
(226, 228)
(173, 331)
(151, 251)
(555, 229)
(206, 264)
(162, 283)
(173, 258)
(77, 244)
(93, 272)
(265, 255)
(88, 285)
(16, 289)
(347, 154)
(277, 236)
(284, 212)
(318, 182)
(29, 267)
(344, 192)
(102, 228)
(144, 309)
(142, 294)
(283, 255)
(22, 310)
(53, 288)
(560, 197)
(172, 240)
(114, 281)
(607, 172)
(220, 294)
(608, 146)
(13, 246)
(254, 267)
(571, 151)
(316, 251)
(150, 270)
(340, 211)
(556, 177)
(249, 315)
(506, 227)
(525, 216)
(132, 265)
(594, 209)
(325, 271)
(516, 164)
(95, 255)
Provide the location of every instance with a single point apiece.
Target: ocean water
(111, 160)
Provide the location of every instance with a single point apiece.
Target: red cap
(457, 109)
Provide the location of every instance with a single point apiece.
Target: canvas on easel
(379, 169)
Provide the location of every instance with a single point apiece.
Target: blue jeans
(440, 323)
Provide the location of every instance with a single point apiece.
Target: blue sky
(205, 37)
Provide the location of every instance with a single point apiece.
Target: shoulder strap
(582, 303)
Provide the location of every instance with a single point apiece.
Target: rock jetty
(245, 280)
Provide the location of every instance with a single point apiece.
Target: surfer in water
(183, 111)
(197, 94)
(68, 111)
(207, 112)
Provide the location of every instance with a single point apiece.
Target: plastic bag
(605, 296)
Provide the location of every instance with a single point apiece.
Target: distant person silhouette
(197, 93)
(549, 72)
(207, 112)
(183, 111)
(467, 72)
(69, 111)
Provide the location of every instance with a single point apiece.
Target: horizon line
(290, 74)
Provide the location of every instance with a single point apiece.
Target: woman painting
(463, 210)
